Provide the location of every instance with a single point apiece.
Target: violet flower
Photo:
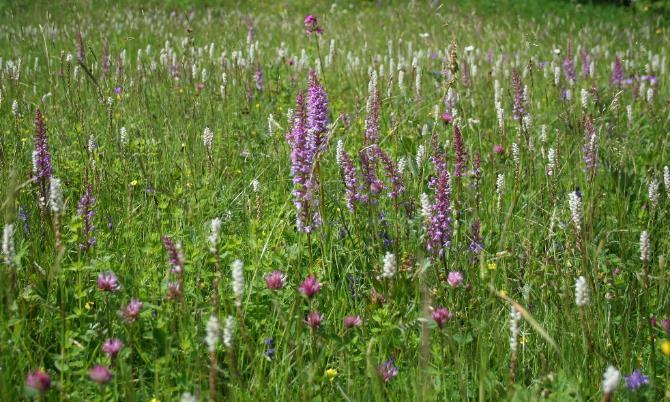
(518, 109)
(317, 114)
(459, 152)
(617, 72)
(636, 380)
(131, 312)
(38, 381)
(352, 321)
(388, 370)
(275, 280)
(100, 374)
(175, 255)
(441, 316)
(351, 185)
(454, 279)
(310, 287)
(108, 282)
(312, 25)
(397, 184)
(314, 319)
(112, 347)
(42, 169)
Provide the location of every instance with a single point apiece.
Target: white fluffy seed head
(575, 204)
(237, 268)
(653, 192)
(426, 207)
(215, 230)
(500, 184)
(228, 331)
(208, 138)
(124, 136)
(8, 243)
(611, 380)
(420, 154)
(515, 318)
(55, 196)
(645, 247)
(581, 292)
(339, 151)
(389, 266)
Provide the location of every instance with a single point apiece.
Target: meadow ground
(350, 201)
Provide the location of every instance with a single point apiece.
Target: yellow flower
(503, 292)
(331, 373)
(154, 400)
(492, 266)
(88, 305)
(665, 347)
(133, 183)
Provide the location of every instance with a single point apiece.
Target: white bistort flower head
(611, 380)
(581, 292)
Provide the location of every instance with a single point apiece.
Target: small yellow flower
(503, 292)
(88, 305)
(258, 105)
(331, 373)
(665, 347)
(154, 400)
(133, 183)
(492, 266)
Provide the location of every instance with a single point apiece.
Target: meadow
(356, 201)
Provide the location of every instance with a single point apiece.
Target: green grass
(164, 182)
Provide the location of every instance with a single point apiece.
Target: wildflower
(590, 148)
(112, 347)
(175, 255)
(575, 204)
(213, 239)
(551, 164)
(617, 72)
(439, 225)
(644, 246)
(352, 193)
(352, 321)
(228, 329)
(492, 266)
(653, 192)
(394, 175)
(86, 211)
(515, 318)
(55, 196)
(237, 269)
(389, 266)
(185, 397)
(331, 374)
(455, 279)
(519, 96)
(420, 154)
(498, 149)
(388, 370)
(441, 316)
(208, 138)
(270, 352)
(41, 158)
(314, 319)
(460, 154)
(312, 25)
(447, 118)
(258, 78)
(310, 287)
(108, 282)
(15, 108)
(8, 243)
(100, 374)
(317, 114)
(212, 331)
(38, 381)
(665, 347)
(581, 292)
(131, 312)
(275, 280)
(636, 380)
(611, 380)
(666, 179)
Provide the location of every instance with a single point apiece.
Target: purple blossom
(112, 347)
(131, 312)
(351, 185)
(38, 381)
(258, 79)
(586, 62)
(439, 222)
(441, 316)
(454, 279)
(447, 118)
(352, 321)
(459, 152)
(42, 169)
(476, 245)
(108, 282)
(317, 114)
(397, 184)
(371, 134)
(312, 25)
(518, 109)
(314, 319)
(617, 72)
(590, 148)
(100, 374)
(569, 69)
(387, 370)
(310, 287)
(175, 255)
(275, 280)
(368, 163)
(86, 211)
(117, 90)
(636, 380)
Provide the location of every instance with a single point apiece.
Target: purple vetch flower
(636, 380)
(112, 347)
(310, 287)
(317, 114)
(314, 319)
(175, 255)
(42, 169)
(100, 374)
(454, 279)
(108, 282)
(397, 184)
(131, 312)
(275, 280)
(519, 108)
(38, 381)
(617, 72)
(441, 316)
(460, 155)
(86, 211)
(305, 184)
(312, 25)
(352, 321)
(258, 78)
(387, 370)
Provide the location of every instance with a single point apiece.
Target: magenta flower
(455, 279)
(441, 316)
(112, 347)
(132, 311)
(100, 374)
(275, 280)
(314, 319)
(108, 282)
(352, 321)
(310, 287)
(312, 25)
(498, 149)
(666, 326)
(175, 255)
(38, 381)
(447, 118)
